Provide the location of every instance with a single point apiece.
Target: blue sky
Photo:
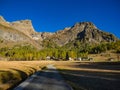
(53, 15)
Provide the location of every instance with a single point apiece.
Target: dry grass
(104, 56)
(13, 72)
(80, 75)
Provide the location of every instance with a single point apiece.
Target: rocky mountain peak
(85, 25)
(23, 22)
(85, 32)
(24, 26)
(91, 34)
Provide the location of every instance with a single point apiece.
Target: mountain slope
(86, 32)
(23, 32)
(11, 36)
(24, 26)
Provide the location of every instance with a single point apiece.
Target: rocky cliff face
(92, 34)
(10, 33)
(24, 26)
(23, 31)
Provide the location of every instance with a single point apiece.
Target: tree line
(73, 50)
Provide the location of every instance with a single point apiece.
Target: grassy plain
(80, 75)
(13, 72)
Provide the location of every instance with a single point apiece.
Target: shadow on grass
(23, 75)
(99, 65)
(87, 80)
(14, 76)
(5, 76)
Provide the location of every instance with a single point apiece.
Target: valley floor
(80, 75)
(92, 76)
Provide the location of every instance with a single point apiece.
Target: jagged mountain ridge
(86, 32)
(23, 31)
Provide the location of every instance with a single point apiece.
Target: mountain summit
(23, 31)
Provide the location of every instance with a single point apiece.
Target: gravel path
(48, 79)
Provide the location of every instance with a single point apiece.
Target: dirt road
(48, 79)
